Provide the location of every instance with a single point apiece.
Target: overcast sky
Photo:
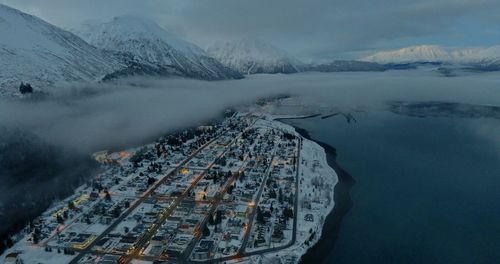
(309, 29)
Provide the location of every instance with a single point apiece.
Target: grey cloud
(92, 118)
(119, 115)
(314, 28)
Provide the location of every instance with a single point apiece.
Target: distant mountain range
(42, 54)
(473, 57)
(146, 48)
(249, 56)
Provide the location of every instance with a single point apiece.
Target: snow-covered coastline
(314, 166)
(329, 175)
(315, 201)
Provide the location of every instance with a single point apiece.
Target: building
(13, 258)
(94, 196)
(82, 241)
(309, 217)
(203, 250)
(277, 235)
(109, 259)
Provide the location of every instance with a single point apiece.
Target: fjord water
(427, 189)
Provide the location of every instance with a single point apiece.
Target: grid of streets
(216, 193)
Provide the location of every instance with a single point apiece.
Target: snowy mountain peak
(132, 27)
(21, 28)
(42, 54)
(255, 47)
(434, 53)
(152, 49)
(254, 56)
(427, 53)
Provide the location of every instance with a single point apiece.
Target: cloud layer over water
(91, 118)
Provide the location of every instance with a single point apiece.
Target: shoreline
(323, 156)
(343, 203)
(285, 117)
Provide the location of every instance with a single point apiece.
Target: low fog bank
(90, 118)
(47, 141)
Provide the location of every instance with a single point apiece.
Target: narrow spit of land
(343, 204)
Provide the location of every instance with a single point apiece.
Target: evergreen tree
(117, 211)
(218, 217)
(8, 242)
(36, 238)
(65, 214)
(108, 196)
(242, 176)
(211, 220)
(260, 216)
(25, 88)
(60, 220)
(151, 180)
(206, 231)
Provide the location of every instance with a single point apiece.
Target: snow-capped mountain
(485, 56)
(424, 53)
(147, 48)
(34, 51)
(434, 53)
(249, 56)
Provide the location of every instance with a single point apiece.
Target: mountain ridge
(250, 56)
(43, 54)
(436, 53)
(147, 48)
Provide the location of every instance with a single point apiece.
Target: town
(232, 191)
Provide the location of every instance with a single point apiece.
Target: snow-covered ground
(157, 50)
(34, 51)
(316, 184)
(435, 53)
(250, 56)
(269, 158)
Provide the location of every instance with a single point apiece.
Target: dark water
(427, 189)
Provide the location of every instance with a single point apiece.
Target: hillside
(472, 57)
(148, 49)
(249, 56)
(43, 54)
